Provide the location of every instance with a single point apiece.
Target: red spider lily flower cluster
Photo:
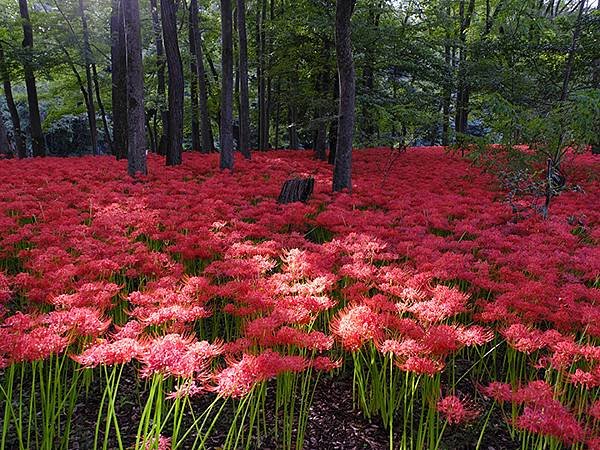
(109, 271)
(541, 412)
(455, 410)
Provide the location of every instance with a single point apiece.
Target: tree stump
(296, 190)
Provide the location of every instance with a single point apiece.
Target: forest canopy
(427, 72)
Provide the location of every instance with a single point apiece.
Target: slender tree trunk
(119, 79)
(192, 33)
(448, 82)
(321, 131)
(596, 84)
(6, 146)
(333, 126)
(572, 50)
(107, 137)
(226, 134)
(462, 95)
(322, 86)
(12, 108)
(151, 128)
(175, 128)
(263, 83)
(342, 170)
(277, 111)
(160, 76)
(369, 76)
(292, 128)
(244, 140)
(35, 121)
(87, 57)
(84, 92)
(136, 135)
(206, 135)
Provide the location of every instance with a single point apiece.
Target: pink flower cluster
(200, 274)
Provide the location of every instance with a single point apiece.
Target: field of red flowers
(194, 287)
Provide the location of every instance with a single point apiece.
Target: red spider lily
(356, 325)
(455, 410)
(178, 356)
(119, 351)
(420, 365)
(239, 377)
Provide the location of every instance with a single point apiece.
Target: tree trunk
(572, 50)
(168, 11)
(321, 131)
(292, 128)
(35, 121)
(277, 111)
(12, 108)
(333, 126)
(118, 53)
(322, 88)
(136, 135)
(369, 76)
(342, 170)
(263, 85)
(226, 157)
(243, 143)
(448, 82)
(107, 137)
(160, 76)
(87, 57)
(6, 146)
(462, 94)
(205, 128)
(192, 33)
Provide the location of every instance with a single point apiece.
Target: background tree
(226, 131)
(168, 10)
(136, 135)
(342, 169)
(244, 119)
(20, 147)
(35, 121)
(119, 79)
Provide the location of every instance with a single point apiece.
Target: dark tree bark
(136, 135)
(35, 121)
(244, 139)
(462, 94)
(175, 128)
(369, 75)
(448, 82)
(118, 53)
(192, 33)
(292, 128)
(296, 190)
(87, 57)
(333, 126)
(322, 88)
(107, 137)
(277, 111)
(84, 92)
(160, 76)
(12, 108)
(596, 84)
(263, 84)
(226, 159)
(205, 128)
(6, 146)
(342, 170)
